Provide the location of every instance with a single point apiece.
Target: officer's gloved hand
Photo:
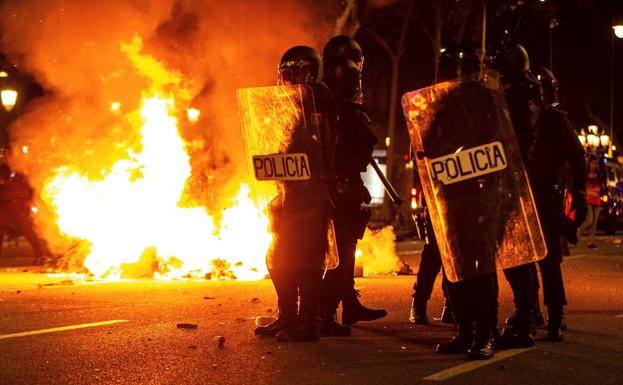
(578, 204)
(365, 195)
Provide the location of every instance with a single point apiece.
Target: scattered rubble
(187, 326)
(219, 340)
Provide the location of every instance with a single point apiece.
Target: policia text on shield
(470, 163)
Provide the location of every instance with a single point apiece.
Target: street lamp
(618, 32)
(595, 139)
(9, 98)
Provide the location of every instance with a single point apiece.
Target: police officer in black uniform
(474, 300)
(297, 256)
(343, 61)
(429, 268)
(547, 142)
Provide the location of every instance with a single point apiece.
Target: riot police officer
(429, 268)
(343, 61)
(547, 141)
(297, 256)
(473, 300)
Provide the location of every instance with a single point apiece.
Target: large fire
(132, 219)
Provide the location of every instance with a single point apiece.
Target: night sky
(581, 57)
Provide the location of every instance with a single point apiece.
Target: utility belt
(348, 194)
(355, 223)
(551, 203)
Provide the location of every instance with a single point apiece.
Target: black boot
(328, 325)
(554, 324)
(417, 314)
(486, 320)
(446, 315)
(516, 335)
(285, 320)
(457, 345)
(305, 332)
(539, 320)
(353, 311)
(481, 350)
(461, 343)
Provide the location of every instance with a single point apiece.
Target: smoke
(74, 49)
(377, 252)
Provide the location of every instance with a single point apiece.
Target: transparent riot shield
(280, 127)
(477, 191)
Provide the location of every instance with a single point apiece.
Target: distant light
(604, 199)
(582, 139)
(115, 106)
(618, 31)
(3, 74)
(34, 209)
(387, 141)
(593, 140)
(193, 115)
(593, 129)
(9, 98)
(604, 140)
(25, 149)
(614, 148)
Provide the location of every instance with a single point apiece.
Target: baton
(388, 186)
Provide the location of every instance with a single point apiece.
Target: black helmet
(549, 84)
(525, 87)
(300, 64)
(457, 62)
(513, 63)
(341, 75)
(346, 47)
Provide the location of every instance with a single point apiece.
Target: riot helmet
(523, 96)
(513, 63)
(341, 75)
(298, 65)
(344, 46)
(549, 85)
(458, 62)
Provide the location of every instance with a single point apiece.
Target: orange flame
(133, 213)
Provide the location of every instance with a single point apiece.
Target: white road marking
(62, 329)
(472, 365)
(619, 316)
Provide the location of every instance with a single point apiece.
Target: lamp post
(595, 140)
(9, 98)
(618, 33)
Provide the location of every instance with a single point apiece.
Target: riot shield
(284, 153)
(479, 198)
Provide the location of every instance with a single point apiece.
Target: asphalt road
(139, 343)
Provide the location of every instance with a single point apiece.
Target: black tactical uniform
(547, 142)
(429, 268)
(353, 152)
(297, 257)
(473, 301)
